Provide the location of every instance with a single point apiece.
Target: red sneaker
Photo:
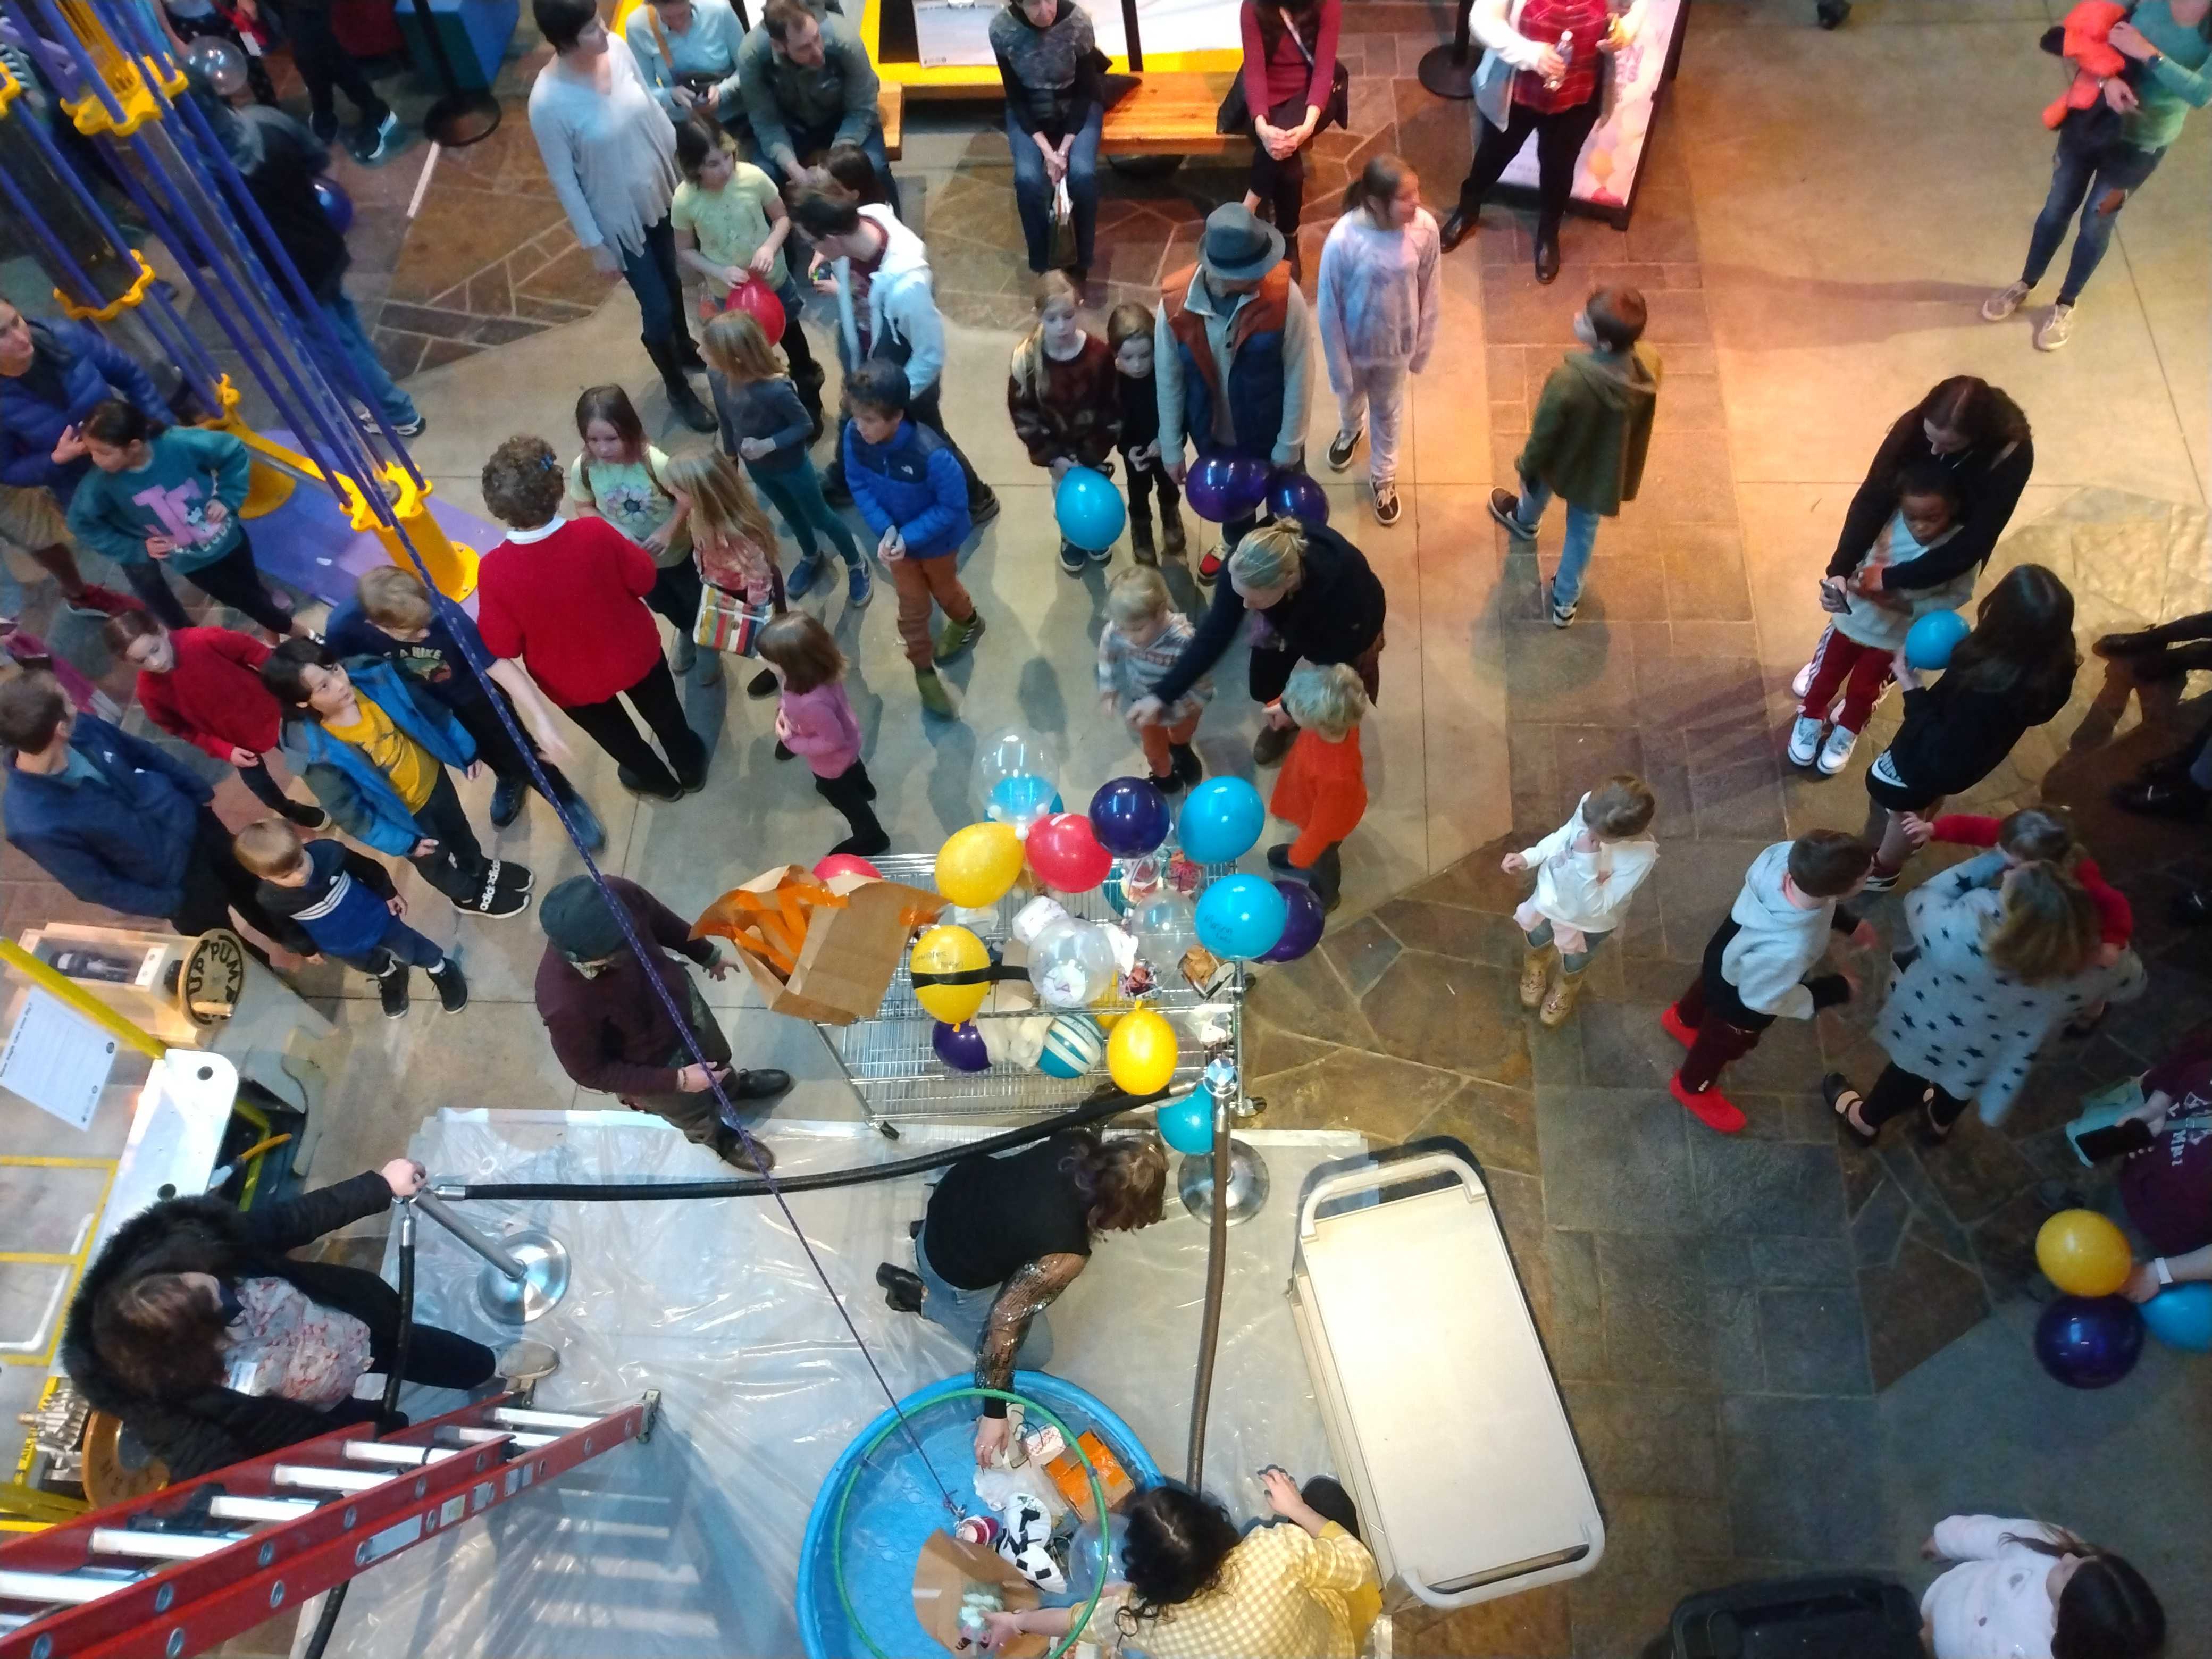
(96, 601)
(1671, 1022)
(1712, 1109)
(1209, 568)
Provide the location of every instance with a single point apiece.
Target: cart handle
(1382, 1171)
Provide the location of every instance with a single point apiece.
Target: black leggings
(1559, 139)
(1142, 482)
(1898, 1091)
(440, 1360)
(327, 67)
(232, 580)
(611, 728)
(1284, 182)
(851, 792)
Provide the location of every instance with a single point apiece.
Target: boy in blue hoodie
(373, 745)
(906, 483)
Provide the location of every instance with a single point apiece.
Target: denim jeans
(2098, 181)
(1582, 536)
(653, 276)
(796, 493)
(357, 367)
(1033, 190)
(965, 1313)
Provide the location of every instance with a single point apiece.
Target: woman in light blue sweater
(170, 497)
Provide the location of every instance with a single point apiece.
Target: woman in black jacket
(2014, 671)
(1320, 602)
(213, 1345)
(1978, 436)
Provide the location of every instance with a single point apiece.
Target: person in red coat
(203, 684)
(568, 597)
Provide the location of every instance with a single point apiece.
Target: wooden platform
(891, 114)
(1172, 113)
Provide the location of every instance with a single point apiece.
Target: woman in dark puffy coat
(213, 1345)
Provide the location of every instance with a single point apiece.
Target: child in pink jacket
(815, 719)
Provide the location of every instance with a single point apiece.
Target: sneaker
(1072, 559)
(1341, 448)
(495, 902)
(687, 655)
(2055, 330)
(1805, 739)
(763, 684)
(1837, 751)
(452, 989)
(800, 581)
(958, 636)
(859, 589)
(1880, 881)
(506, 801)
(1169, 783)
(94, 600)
(1188, 765)
(589, 830)
(379, 143)
(1803, 683)
(1387, 508)
(1562, 615)
(935, 699)
(1712, 1109)
(412, 427)
(1505, 508)
(392, 992)
(306, 816)
(516, 878)
(1102, 555)
(324, 124)
(903, 1290)
(637, 786)
(2002, 303)
(1671, 1024)
(1273, 743)
(1209, 568)
(982, 509)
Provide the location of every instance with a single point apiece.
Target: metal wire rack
(897, 1076)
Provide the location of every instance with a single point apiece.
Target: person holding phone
(2166, 1185)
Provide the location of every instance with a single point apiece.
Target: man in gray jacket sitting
(808, 85)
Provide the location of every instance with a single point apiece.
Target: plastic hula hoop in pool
(936, 1395)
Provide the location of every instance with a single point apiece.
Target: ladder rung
(16, 1621)
(261, 1509)
(160, 1546)
(386, 1451)
(513, 1417)
(70, 1587)
(315, 1477)
(483, 1436)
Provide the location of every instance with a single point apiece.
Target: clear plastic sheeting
(690, 1546)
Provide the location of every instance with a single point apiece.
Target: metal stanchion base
(462, 118)
(544, 1283)
(1248, 1184)
(1448, 70)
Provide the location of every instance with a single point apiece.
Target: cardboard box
(850, 947)
(948, 1567)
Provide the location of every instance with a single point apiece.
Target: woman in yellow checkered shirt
(1197, 1590)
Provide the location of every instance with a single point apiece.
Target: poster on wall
(1605, 174)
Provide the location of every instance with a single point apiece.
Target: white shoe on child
(1804, 740)
(1836, 751)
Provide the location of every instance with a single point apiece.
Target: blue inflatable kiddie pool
(880, 1503)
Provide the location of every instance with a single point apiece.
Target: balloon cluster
(1223, 487)
(2091, 1336)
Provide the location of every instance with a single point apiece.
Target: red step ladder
(178, 1572)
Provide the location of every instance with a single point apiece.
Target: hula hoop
(1067, 1434)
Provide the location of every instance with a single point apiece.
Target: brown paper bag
(947, 1568)
(819, 951)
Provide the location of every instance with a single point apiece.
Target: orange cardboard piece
(823, 951)
(1073, 1480)
(948, 1568)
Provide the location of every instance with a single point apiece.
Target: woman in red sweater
(568, 597)
(1323, 788)
(203, 684)
(1289, 79)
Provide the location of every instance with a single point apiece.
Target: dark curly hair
(523, 483)
(1124, 1181)
(1173, 1543)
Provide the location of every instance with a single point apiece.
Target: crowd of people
(688, 144)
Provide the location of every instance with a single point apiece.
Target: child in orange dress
(1323, 788)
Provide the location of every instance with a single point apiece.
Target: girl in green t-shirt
(729, 224)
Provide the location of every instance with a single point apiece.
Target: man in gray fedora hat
(1231, 349)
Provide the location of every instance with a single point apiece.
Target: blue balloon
(1222, 487)
(1296, 495)
(1241, 917)
(337, 206)
(1021, 799)
(1187, 1124)
(2181, 1318)
(1089, 508)
(2089, 1342)
(1221, 819)
(1130, 816)
(1302, 926)
(1932, 638)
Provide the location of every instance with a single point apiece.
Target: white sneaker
(1837, 751)
(2055, 330)
(1803, 683)
(1804, 740)
(2002, 303)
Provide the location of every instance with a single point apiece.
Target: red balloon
(846, 864)
(1063, 849)
(758, 301)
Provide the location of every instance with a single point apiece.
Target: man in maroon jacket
(612, 1032)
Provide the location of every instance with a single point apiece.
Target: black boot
(903, 1289)
(681, 397)
(1140, 533)
(687, 350)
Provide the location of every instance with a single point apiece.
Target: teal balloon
(2181, 1318)
(1241, 917)
(1932, 638)
(1187, 1124)
(1221, 819)
(1089, 508)
(1021, 799)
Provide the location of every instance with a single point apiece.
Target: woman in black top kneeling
(1006, 1235)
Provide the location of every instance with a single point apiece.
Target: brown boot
(1535, 970)
(1171, 529)
(1559, 1001)
(1140, 535)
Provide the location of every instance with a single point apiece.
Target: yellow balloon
(1141, 1053)
(978, 864)
(2083, 1254)
(949, 951)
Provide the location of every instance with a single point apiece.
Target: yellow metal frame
(26, 1508)
(59, 984)
(135, 294)
(11, 88)
(75, 1262)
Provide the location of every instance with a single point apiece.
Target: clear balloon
(1165, 925)
(1071, 964)
(1015, 752)
(217, 61)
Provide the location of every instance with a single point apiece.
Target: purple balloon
(1302, 927)
(2089, 1342)
(961, 1047)
(1296, 495)
(1222, 487)
(1130, 816)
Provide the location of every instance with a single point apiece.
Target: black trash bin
(1845, 1617)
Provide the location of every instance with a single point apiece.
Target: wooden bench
(891, 114)
(1170, 112)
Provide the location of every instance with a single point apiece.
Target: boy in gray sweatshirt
(1755, 965)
